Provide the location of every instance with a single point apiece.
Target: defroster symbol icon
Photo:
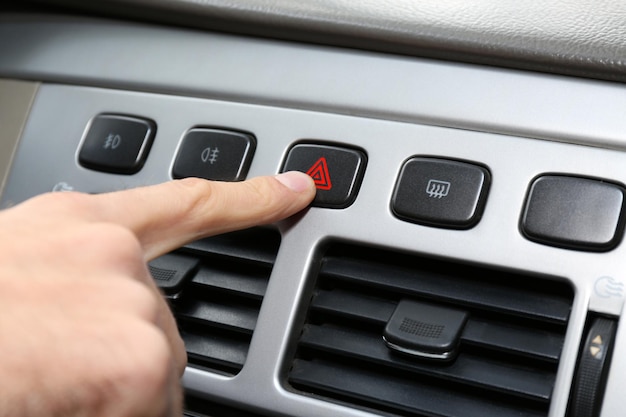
(437, 188)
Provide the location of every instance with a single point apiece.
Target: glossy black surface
(337, 172)
(573, 212)
(214, 154)
(441, 192)
(117, 144)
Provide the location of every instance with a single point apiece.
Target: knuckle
(114, 239)
(151, 366)
(196, 196)
(195, 192)
(192, 182)
(139, 374)
(140, 298)
(100, 247)
(157, 357)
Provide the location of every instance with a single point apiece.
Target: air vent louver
(509, 349)
(218, 308)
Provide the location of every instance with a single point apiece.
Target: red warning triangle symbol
(320, 175)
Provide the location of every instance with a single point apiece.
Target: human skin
(84, 331)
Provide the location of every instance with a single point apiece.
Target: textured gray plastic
(581, 37)
(392, 108)
(148, 58)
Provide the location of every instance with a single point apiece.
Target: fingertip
(296, 181)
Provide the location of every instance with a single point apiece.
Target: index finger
(169, 215)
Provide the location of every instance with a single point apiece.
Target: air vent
(508, 352)
(202, 407)
(218, 306)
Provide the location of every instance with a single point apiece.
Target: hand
(83, 329)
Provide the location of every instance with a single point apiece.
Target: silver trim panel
(176, 61)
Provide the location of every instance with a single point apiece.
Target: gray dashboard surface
(578, 37)
(115, 54)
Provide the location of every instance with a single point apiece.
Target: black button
(214, 154)
(572, 212)
(117, 144)
(337, 172)
(440, 192)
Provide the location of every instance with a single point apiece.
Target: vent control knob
(171, 271)
(593, 366)
(425, 330)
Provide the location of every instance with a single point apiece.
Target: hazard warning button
(337, 172)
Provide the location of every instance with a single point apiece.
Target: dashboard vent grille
(509, 348)
(217, 308)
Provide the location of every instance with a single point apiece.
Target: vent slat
(227, 353)
(526, 341)
(252, 285)
(397, 393)
(440, 286)
(218, 307)
(350, 304)
(505, 356)
(467, 369)
(219, 314)
(255, 245)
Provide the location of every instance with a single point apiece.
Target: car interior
(463, 256)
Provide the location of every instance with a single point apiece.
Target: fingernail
(295, 180)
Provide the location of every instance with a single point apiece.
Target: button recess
(117, 144)
(440, 192)
(575, 213)
(214, 154)
(337, 172)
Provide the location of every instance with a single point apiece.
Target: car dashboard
(463, 256)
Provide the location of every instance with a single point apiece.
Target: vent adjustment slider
(425, 330)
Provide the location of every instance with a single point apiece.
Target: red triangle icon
(320, 175)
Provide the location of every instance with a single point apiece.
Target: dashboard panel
(330, 268)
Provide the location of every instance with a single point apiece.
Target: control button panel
(337, 172)
(117, 144)
(573, 212)
(214, 154)
(440, 192)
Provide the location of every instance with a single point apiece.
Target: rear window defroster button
(117, 144)
(440, 192)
